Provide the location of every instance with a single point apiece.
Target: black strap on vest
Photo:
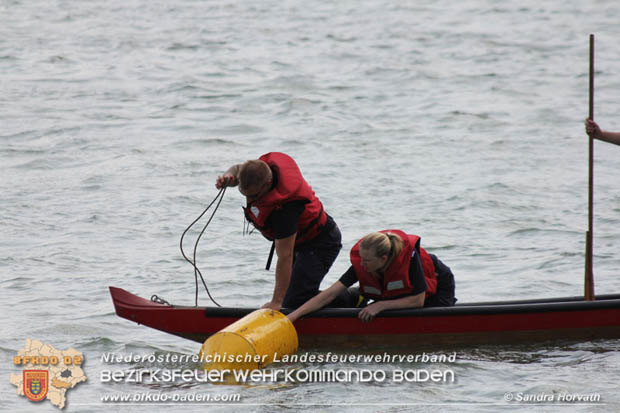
(312, 223)
(273, 248)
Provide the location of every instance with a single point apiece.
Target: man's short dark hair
(253, 174)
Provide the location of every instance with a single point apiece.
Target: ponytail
(383, 243)
(396, 245)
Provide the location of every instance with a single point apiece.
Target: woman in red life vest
(393, 270)
(284, 208)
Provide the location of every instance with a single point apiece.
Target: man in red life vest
(284, 208)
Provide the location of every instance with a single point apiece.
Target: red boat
(569, 318)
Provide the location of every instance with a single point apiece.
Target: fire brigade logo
(47, 373)
(36, 384)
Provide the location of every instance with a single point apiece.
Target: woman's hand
(411, 301)
(369, 312)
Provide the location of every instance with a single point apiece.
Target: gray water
(458, 121)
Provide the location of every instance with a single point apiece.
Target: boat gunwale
(472, 309)
(560, 304)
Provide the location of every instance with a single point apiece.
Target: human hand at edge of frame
(592, 128)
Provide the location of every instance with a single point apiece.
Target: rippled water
(458, 121)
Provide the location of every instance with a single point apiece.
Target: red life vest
(396, 280)
(291, 186)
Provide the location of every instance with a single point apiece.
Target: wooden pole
(589, 276)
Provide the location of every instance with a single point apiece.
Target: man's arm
(411, 301)
(284, 267)
(229, 178)
(318, 301)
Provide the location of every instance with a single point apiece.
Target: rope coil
(197, 272)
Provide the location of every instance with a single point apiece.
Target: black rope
(246, 227)
(197, 272)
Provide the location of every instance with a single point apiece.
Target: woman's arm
(318, 301)
(411, 301)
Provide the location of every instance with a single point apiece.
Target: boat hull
(569, 318)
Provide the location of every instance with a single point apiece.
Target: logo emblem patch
(255, 211)
(36, 384)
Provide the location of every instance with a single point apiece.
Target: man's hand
(272, 305)
(226, 180)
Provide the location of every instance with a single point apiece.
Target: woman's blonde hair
(383, 243)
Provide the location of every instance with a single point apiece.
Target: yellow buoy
(251, 342)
